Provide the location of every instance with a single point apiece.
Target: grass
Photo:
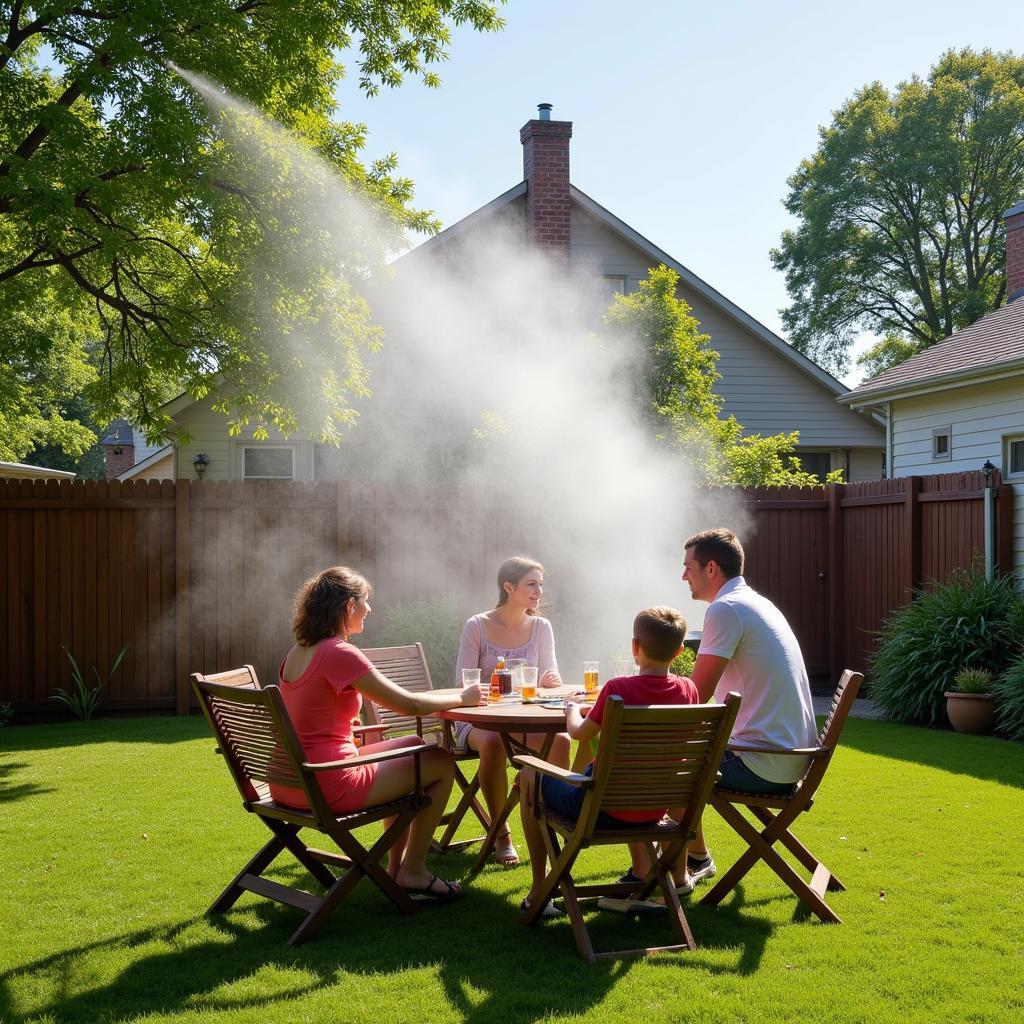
(116, 835)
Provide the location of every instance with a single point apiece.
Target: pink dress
(322, 704)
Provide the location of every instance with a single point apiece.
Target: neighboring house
(960, 403)
(130, 457)
(20, 471)
(766, 384)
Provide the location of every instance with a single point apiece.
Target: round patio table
(513, 721)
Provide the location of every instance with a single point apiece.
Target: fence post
(912, 532)
(836, 618)
(343, 511)
(183, 647)
(1004, 527)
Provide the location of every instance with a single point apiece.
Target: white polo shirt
(767, 670)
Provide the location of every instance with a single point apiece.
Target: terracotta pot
(971, 712)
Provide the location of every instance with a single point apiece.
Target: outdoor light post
(199, 464)
(990, 539)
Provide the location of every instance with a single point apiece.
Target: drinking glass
(517, 665)
(470, 676)
(624, 667)
(529, 677)
(590, 677)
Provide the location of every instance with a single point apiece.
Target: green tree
(674, 382)
(900, 211)
(123, 206)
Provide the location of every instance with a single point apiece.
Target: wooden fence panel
(200, 576)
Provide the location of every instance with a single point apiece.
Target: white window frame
(1009, 440)
(618, 279)
(947, 455)
(259, 445)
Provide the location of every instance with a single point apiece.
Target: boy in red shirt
(657, 640)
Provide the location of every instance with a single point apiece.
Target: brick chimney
(1013, 224)
(546, 170)
(118, 448)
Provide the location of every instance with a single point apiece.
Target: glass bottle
(495, 691)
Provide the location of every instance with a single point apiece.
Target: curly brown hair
(321, 602)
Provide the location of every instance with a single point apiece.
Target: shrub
(435, 622)
(81, 700)
(973, 680)
(963, 623)
(1010, 706)
(683, 665)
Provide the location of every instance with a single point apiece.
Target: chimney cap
(544, 111)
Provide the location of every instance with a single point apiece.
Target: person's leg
(493, 776)
(531, 831)
(397, 851)
(395, 779)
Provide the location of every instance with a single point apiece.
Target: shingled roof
(992, 344)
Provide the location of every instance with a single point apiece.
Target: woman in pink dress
(511, 629)
(323, 680)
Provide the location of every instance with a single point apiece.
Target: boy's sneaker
(624, 905)
(699, 868)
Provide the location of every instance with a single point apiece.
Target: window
(818, 463)
(268, 462)
(1014, 456)
(616, 283)
(942, 448)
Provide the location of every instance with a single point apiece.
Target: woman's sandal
(505, 852)
(428, 894)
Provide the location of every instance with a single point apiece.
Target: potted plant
(970, 705)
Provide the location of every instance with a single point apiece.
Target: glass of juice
(590, 677)
(516, 665)
(529, 673)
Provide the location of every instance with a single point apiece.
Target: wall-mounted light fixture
(199, 464)
(988, 469)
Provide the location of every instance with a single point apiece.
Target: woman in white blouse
(512, 629)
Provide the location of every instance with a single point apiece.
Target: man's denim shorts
(567, 800)
(736, 775)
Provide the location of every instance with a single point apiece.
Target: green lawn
(116, 835)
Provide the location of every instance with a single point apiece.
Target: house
(21, 471)
(960, 403)
(766, 384)
(130, 457)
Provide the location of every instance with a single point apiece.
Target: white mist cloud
(489, 325)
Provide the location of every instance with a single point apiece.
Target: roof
(147, 462)
(21, 471)
(621, 228)
(990, 348)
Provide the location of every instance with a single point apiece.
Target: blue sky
(687, 118)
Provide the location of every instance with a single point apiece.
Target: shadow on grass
(477, 949)
(55, 735)
(982, 757)
(11, 791)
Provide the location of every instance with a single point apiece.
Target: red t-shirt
(647, 690)
(321, 704)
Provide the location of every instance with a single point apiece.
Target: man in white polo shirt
(747, 646)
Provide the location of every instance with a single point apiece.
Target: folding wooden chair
(407, 666)
(777, 813)
(244, 677)
(648, 758)
(260, 746)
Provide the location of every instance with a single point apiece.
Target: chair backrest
(257, 739)
(244, 677)
(406, 666)
(831, 730)
(658, 757)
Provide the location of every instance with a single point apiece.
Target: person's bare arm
(578, 727)
(381, 690)
(706, 673)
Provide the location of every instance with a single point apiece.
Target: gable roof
(146, 463)
(990, 348)
(656, 255)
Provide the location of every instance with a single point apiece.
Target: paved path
(863, 707)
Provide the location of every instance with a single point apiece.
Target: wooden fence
(195, 575)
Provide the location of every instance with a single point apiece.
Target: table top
(512, 713)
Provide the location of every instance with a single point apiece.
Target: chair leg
(364, 863)
(263, 858)
(799, 851)
(759, 847)
(452, 820)
(495, 830)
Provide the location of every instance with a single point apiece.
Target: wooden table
(513, 720)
